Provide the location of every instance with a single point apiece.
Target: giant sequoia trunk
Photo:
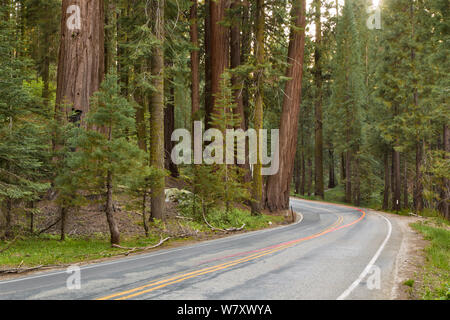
(235, 61)
(208, 96)
(219, 46)
(278, 185)
(81, 55)
(157, 113)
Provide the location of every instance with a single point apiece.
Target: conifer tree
(103, 158)
(348, 92)
(23, 145)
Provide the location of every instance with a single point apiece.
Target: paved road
(332, 252)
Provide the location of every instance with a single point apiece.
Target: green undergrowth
(235, 218)
(46, 249)
(435, 275)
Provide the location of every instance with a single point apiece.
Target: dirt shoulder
(410, 257)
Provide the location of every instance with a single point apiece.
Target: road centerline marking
(158, 284)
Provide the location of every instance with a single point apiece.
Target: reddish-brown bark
(278, 185)
(219, 45)
(81, 56)
(195, 62)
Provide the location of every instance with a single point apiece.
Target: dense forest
(91, 91)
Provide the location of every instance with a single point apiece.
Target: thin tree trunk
(331, 172)
(343, 177)
(169, 127)
(109, 211)
(318, 145)
(141, 128)
(32, 206)
(278, 185)
(309, 176)
(157, 113)
(396, 205)
(8, 218)
(348, 177)
(208, 94)
(195, 63)
(63, 212)
(418, 187)
(258, 119)
(245, 51)
(144, 213)
(387, 183)
(302, 159)
(446, 183)
(356, 184)
(405, 183)
(297, 174)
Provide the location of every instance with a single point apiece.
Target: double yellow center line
(158, 284)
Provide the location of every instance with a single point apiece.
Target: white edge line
(349, 290)
(143, 256)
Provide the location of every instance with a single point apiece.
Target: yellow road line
(163, 283)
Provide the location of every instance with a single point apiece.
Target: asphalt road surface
(331, 252)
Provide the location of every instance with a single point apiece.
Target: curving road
(332, 252)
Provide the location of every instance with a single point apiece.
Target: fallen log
(223, 230)
(18, 269)
(131, 250)
(50, 226)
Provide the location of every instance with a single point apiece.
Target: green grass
(409, 283)
(436, 275)
(235, 218)
(335, 195)
(48, 250)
